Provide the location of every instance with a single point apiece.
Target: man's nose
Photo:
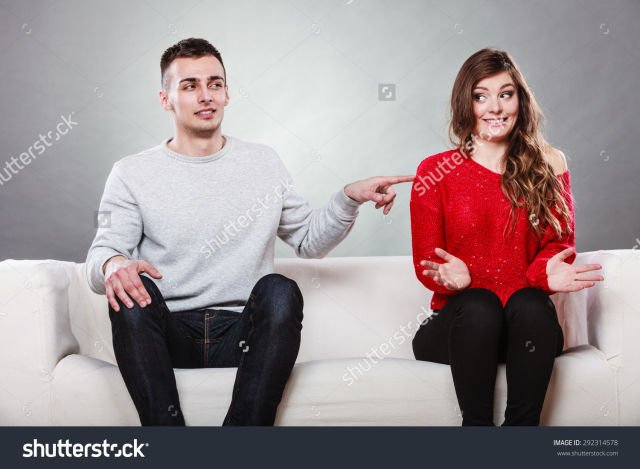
(205, 95)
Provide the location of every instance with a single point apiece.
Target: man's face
(196, 92)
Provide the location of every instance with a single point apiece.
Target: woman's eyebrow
(487, 89)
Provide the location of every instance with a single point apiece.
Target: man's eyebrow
(195, 80)
(486, 89)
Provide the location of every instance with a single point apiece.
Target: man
(199, 213)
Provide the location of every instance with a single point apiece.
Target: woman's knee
(530, 306)
(479, 307)
(430, 349)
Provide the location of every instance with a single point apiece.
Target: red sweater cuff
(537, 275)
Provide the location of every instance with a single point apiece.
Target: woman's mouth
(496, 121)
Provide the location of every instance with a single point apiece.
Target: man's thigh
(226, 337)
(186, 339)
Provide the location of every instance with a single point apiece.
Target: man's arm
(110, 270)
(119, 229)
(376, 189)
(314, 233)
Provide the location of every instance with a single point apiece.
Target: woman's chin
(494, 136)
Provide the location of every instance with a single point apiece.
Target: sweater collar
(197, 159)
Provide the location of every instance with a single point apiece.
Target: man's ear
(164, 101)
(226, 95)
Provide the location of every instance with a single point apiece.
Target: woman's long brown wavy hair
(528, 180)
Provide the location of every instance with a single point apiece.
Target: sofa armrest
(35, 334)
(607, 317)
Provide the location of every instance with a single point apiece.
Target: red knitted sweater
(458, 205)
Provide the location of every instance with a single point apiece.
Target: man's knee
(283, 294)
(137, 313)
(151, 287)
(280, 285)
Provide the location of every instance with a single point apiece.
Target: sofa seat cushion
(348, 391)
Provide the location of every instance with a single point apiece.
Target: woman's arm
(550, 245)
(427, 229)
(552, 270)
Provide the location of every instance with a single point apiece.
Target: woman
(492, 227)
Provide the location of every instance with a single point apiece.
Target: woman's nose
(496, 106)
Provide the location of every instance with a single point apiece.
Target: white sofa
(57, 361)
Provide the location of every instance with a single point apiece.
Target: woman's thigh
(431, 342)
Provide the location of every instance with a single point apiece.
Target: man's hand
(122, 278)
(377, 189)
(453, 274)
(563, 277)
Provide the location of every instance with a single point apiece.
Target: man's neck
(194, 146)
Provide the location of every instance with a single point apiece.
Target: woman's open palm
(564, 277)
(453, 274)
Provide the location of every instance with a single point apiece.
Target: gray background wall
(304, 77)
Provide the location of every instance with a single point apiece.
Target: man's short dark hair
(191, 47)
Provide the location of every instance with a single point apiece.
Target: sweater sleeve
(119, 230)
(313, 233)
(551, 245)
(427, 227)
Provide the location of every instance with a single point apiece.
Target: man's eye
(188, 87)
(216, 85)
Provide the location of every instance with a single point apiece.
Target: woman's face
(495, 106)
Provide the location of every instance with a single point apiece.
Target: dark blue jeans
(473, 333)
(262, 341)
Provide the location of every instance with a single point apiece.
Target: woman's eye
(507, 94)
(479, 97)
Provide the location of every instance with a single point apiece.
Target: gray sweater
(209, 224)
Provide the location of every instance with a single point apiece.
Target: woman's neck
(490, 154)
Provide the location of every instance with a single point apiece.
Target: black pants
(473, 333)
(262, 341)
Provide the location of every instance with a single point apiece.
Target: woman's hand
(453, 274)
(563, 277)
